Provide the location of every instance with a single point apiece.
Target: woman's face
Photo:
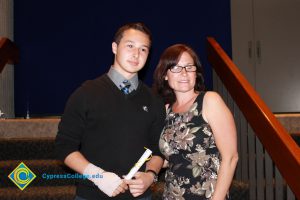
(183, 81)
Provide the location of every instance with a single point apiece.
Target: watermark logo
(22, 176)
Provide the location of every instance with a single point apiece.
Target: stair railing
(8, 53)
(266, 150)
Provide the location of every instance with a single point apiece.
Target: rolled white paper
(138, 165)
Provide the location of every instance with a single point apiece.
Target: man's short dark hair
(136, 26)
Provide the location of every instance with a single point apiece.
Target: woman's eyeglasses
(178, 69)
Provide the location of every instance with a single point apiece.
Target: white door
(273, 54)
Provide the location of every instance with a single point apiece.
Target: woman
(199, 137)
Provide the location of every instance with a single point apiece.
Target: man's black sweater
(110, 129)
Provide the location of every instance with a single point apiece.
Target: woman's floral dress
(188, 144)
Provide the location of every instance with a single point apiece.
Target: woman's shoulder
(212, 102)
(212, 97)
(211, 94)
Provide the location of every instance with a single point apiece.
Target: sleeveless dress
(188, 144)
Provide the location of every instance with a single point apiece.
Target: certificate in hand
(138, 165)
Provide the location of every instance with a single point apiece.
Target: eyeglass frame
(181, 68)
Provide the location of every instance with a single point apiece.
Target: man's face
(131, 53)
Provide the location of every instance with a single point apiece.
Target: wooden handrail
(8, 53)
(281, 147)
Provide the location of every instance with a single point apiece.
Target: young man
(106, 124)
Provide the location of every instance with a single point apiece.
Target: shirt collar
(118, 78)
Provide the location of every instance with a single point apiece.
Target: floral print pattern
(188, 144)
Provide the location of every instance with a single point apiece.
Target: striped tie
(125, 86)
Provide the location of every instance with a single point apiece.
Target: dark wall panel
(63, 43)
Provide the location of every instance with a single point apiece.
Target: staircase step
(38, 193)
(33, 128)
(239, 190)
(40, 168)
(64, 189)
(27, 148)
(39, 156)
(290, 121)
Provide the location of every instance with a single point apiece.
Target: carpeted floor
(38, 155)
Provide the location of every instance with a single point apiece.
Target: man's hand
(109, 183)
(120, 189)
(140, 184)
